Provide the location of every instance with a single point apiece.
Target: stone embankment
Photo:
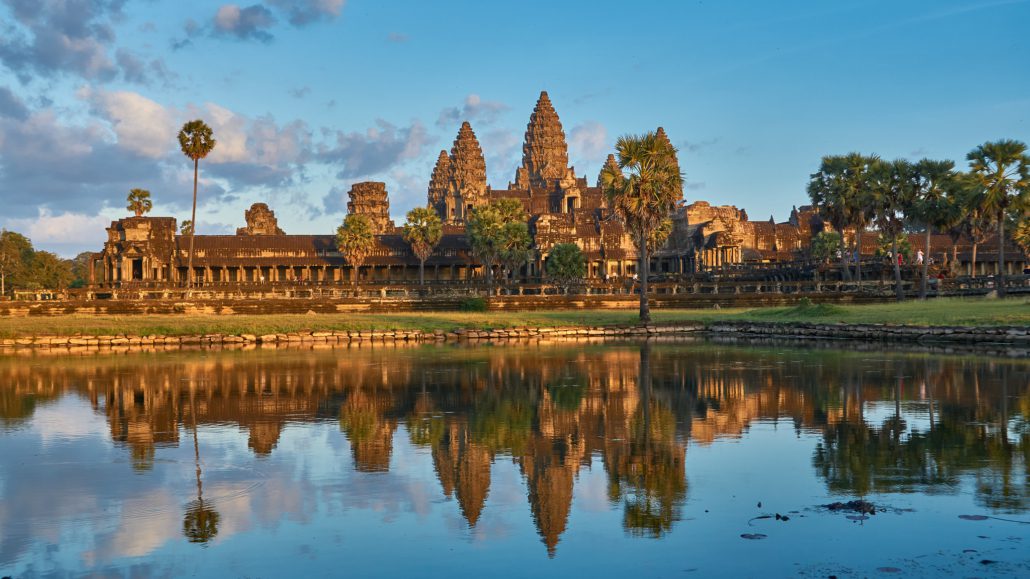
(1010, 336)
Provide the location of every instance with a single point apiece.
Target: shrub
(476, 304)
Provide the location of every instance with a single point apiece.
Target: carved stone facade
(369, 198)
(260, 221)
(140, 248)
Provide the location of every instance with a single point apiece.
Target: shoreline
(976, 336)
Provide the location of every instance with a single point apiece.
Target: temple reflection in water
(886, 422)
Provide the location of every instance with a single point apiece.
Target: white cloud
(588, 141)
(67, 228)
(473, 109)
(140, 124)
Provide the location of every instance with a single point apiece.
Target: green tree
(566, 265)
(196, 141)
(1001, 170)
(975, 222)
(15, 251)
(891, 197)
(839, 190)
(515, 244)
(355, 240)
(488, 232)
(886, 244)
(659, 235)
(422, 231)
(139, 202)
(825, 245)
(48, 271)
(934, 181)
(642, 191)
(186, 227)
(80, 269)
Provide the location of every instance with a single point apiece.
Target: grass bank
(938, 312)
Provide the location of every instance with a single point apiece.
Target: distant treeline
(22, 267)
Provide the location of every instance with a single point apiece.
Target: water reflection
(882, 423)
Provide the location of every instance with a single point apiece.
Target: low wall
(433, 303)
(1010, 337)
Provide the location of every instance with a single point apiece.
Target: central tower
(545, 154)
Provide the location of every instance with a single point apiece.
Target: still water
(628, 459)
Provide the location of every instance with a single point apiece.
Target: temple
(560, 207)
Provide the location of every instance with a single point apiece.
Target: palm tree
(139, 202)
(355, 240)
(642, 191)
(860, 207)
(422, 231)
(515, 243)
(1001, 169)
(891, 193)
(838, 189)
(492, 227)
(196, 142)
(975, 223)
(933, 181)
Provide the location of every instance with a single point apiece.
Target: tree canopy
(22, 267)
(355, 240)
(498, 233)
(422, 231)
(642, 190)
(566, 265)
(139, 202)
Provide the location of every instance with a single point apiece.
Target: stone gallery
(560, 206)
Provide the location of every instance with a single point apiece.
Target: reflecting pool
(640, 459)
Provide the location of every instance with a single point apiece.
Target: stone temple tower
(660, 134)
(440, 185)
(467, 184)
(371, 199)
(545, 154)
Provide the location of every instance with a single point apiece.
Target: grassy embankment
(938, 312)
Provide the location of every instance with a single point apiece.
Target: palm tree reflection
(200, 524)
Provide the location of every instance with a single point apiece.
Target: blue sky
(309, 96)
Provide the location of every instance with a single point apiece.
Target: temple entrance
(137, 269)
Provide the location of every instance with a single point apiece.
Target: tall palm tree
(933, 181)
(827, 194)
(838, 189)
(489, 228)
(642, 191)
(355, 240)
(196, 142)
(139, 202)
(974, 223)
(422, 231)
(891, 193)
(1001, 169)
(860, 208)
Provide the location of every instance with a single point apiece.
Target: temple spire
(468, 169)
(439, 183)
(609, 163)
(660, 134)
(545, 154)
